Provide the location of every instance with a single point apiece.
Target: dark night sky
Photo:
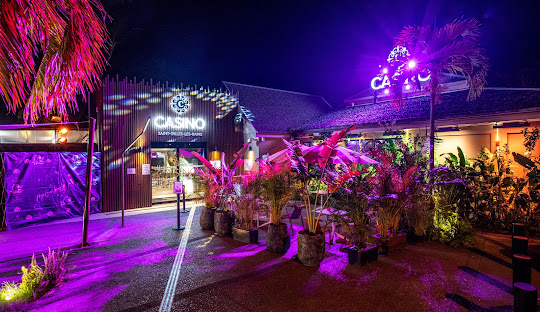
(329, 48)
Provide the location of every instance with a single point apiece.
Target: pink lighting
(385, 70)
(412, 64)
(386, 91)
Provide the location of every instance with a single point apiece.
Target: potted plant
(223, 182)
(246, 198)
(355, 200)
(277, 189)
(313, 175)
(391, 194)
(210, 189)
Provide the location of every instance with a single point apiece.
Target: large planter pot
(310, 247)
(391, 244)
(207, 218)
(223, 223)
(362, 256)
(277, 238)
(245, 236)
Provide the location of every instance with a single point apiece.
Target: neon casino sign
(399, 57)
(180, 104)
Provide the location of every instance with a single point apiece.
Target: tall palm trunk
(434, 89)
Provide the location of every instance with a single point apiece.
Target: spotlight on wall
(63, 131)
(62, 140)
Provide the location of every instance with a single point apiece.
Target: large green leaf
(462, 160)
(524, 161)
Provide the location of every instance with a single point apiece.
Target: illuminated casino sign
(180, 104)
(398, 62)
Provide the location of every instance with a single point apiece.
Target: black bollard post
(525, 297)
(521, 266)
(178, 187)
(520, 245)
(183, 201)
(518, 229)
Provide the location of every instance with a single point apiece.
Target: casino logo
(180, 104)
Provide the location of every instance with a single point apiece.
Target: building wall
(126, 106)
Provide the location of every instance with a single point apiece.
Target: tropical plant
(247, 198)
(316, 176)
(50, 51)
(531, 137)
(277, 186)
(217, 183)
(209, 185)
(453, 48)
(36, 280)
(355, 199)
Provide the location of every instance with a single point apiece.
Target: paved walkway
(147, 266)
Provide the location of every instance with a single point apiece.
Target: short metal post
(183, 200)
(88, 186)
(520, 245)
(525, 297)
(521, 266)
(518, 229)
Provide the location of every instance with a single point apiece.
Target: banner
(42, 186)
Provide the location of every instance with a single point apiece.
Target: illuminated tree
(453, 48)
(50, 51)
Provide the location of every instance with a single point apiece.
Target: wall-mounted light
(512, 125)
(63, 131)
(215, 158)
(249, 160)
(448, 129)
(62, 140)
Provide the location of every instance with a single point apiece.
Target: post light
(412, 64)
(63, 131)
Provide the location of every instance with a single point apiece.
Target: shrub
(36, 280)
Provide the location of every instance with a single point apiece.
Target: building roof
(454, 104)
(277, 111)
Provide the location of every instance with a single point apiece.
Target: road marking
(168, 296)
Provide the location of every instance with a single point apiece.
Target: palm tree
(50, 51)
(453, 48)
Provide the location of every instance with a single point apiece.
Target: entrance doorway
(169, 165)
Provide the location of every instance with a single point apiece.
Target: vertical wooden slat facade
(125, 108)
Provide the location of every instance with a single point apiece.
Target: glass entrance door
(168, 166)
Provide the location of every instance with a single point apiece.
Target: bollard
(520, 245)
(518, 229)
(521, 266)
(525, 297)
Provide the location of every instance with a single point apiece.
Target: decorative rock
(520, 245)
(525, 297)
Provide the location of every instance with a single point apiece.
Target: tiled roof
(277, 111)
(454, 105)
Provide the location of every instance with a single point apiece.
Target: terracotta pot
(245, 236)
(362, 256)
(223, 223)
(277, 238)
(207, 218)
(391, 244)
(311, 247)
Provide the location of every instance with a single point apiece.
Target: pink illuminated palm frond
(50, 51)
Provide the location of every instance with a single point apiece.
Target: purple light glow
(385, 70)
(412, 64)
(386, 91)
(407, 87)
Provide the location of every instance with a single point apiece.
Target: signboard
(130, 170)
(178, 187)
(146, 169)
